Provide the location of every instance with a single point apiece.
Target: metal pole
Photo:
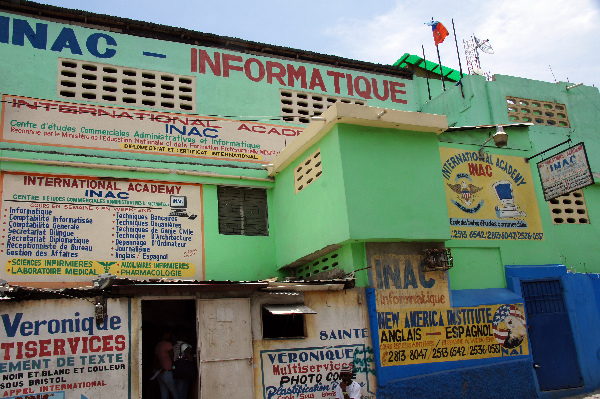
(441, 72)
(457, 52)
(426, 72)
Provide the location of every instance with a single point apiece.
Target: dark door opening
(178, 316)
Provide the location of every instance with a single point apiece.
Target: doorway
(550, 336)
(158, 315)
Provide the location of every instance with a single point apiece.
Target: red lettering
(366, 93)
(30, 349)
(386, 91)
(73, 344)
(395, 89)
(336, 79)
(349, 84)
(215, 66)
(227, 59)
(120, 343)
(296, 74)
(473, 169)
(67, 109)
(244, 127)
(277, 75)
(93, 340)
(44, 344)
(84, 344)
(316, 80)
(259, 129)
(7, 346)
(194, 60)
(292, 132)
(59, 347)
(248, 69)
(106, 343)
(274, 130)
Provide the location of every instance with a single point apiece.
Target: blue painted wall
(482, 378)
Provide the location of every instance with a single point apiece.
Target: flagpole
(426, 72)
(457, 52)
(441, 73)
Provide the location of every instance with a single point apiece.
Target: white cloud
(527, 36)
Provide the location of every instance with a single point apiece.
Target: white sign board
(565, 172)
(57, 123)
(55, 349)
(72, 228)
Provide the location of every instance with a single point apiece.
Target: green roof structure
(410, 61)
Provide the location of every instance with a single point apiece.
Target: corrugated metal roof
(180, 35)
(126, 287)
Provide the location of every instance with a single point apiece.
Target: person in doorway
(183, 350)
(347, 388)
(164, 362)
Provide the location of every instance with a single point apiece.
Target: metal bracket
(101, 312)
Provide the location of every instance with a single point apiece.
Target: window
(308, 171)
(117, 85)
(569, 209)
(284, 321)
(298, 107)
(242, 211)
(539, 112)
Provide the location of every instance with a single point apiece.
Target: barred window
(243, 211)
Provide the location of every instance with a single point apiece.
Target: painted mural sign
(257, 69)
(411, 336)
(55, 351)
(74, 41)
(302, 373)
(57, 123)
(400, 282)
(565, 172)
(72, 228)
(490, 199)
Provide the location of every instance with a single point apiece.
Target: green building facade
(290, 213)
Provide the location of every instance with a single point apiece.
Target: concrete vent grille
(538, 112)
(308, 171)
(298, 107)
(569, 209)
(104, 83)
(323, 264)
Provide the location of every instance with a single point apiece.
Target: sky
(547, 40)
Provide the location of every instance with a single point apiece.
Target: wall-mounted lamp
(317, 118)
(500, 139)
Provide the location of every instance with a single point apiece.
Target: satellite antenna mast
(472, 47)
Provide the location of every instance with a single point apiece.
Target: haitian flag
(439, 31)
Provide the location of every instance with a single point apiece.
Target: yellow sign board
(401, 282)
(77, 268)
(431, 336)
(490, 199)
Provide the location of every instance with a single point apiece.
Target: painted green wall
(232, 257)
(480, 264)
(371, 189)
(394, 190)
(318, 215)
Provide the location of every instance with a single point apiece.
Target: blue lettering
(67, 39)
(92, 45)
(11, 328)
(4, 29)
(38, 39)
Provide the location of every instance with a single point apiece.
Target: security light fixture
(500, 139)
